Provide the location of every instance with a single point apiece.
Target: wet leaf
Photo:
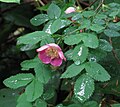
(91, 104)
(73, 70)
(32, 38)
(8, 97)
(84, 88)
(111, 33)
(18, 80)
(48, 94)
(97, 28)
(88, 13)
(34, 90)
(72, 39)
(43, 74)
(97, 72)
(105, 45)
(90, 40)
(40, 103)
(77, 16)
(24, 104)
(59, 24)
(28, 64)
(39, 19)
(80, 53)
(54, 11)
(84, 23)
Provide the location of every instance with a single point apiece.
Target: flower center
(52, 52)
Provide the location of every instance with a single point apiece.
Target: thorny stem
(114, 53)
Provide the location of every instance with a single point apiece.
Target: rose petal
(70, 10)
(54, 45)
(61, 55)
(56, 62)
(44, 58)
(42, 48)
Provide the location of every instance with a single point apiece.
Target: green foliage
(34, 90)
(73, 70)
(54, 11)
(32, 38)
(115, 105)
(97, 72)
(89, 39)
(80, 53)
(18, 80)
(84, 87)
(39, 19)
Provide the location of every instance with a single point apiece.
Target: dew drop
(92, 59)
(35, 19)
(80, 51)
(77, 62)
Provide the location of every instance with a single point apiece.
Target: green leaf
(32, 38)
(114, 26)
(74, 105)
(10, 1)
(39, 19)
(49, 93)
(24, 104)
(84, 87)
(47, 27)
(91, 104)
(47, 41)
(114, 13)
(73, 70)
(105, 45)
(90, 40)
(59, 24)
(22, 98)
(97, 28)
(88, 13)
(72, 39)
(80, 53)
(43, 73)
(77, 16)
(97, 72)
(111, 33)
(84, 23)
(54, 11)
(68, 54)
(27, 64)
(40, 103)
(34, 90)
(8, 97)
(18, 80)
(115, 105)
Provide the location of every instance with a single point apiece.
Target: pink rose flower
(70, 10)
(51, 53)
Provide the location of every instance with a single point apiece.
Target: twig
(92, 3)
(41, 2)
(102, 1)
(114, 53)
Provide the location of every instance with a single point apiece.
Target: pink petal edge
(54, 45)
(56, 62)
(44, 58)
(42, 48)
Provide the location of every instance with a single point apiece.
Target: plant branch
(102, 1)
(114, 53)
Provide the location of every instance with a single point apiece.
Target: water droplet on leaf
(77, 62)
